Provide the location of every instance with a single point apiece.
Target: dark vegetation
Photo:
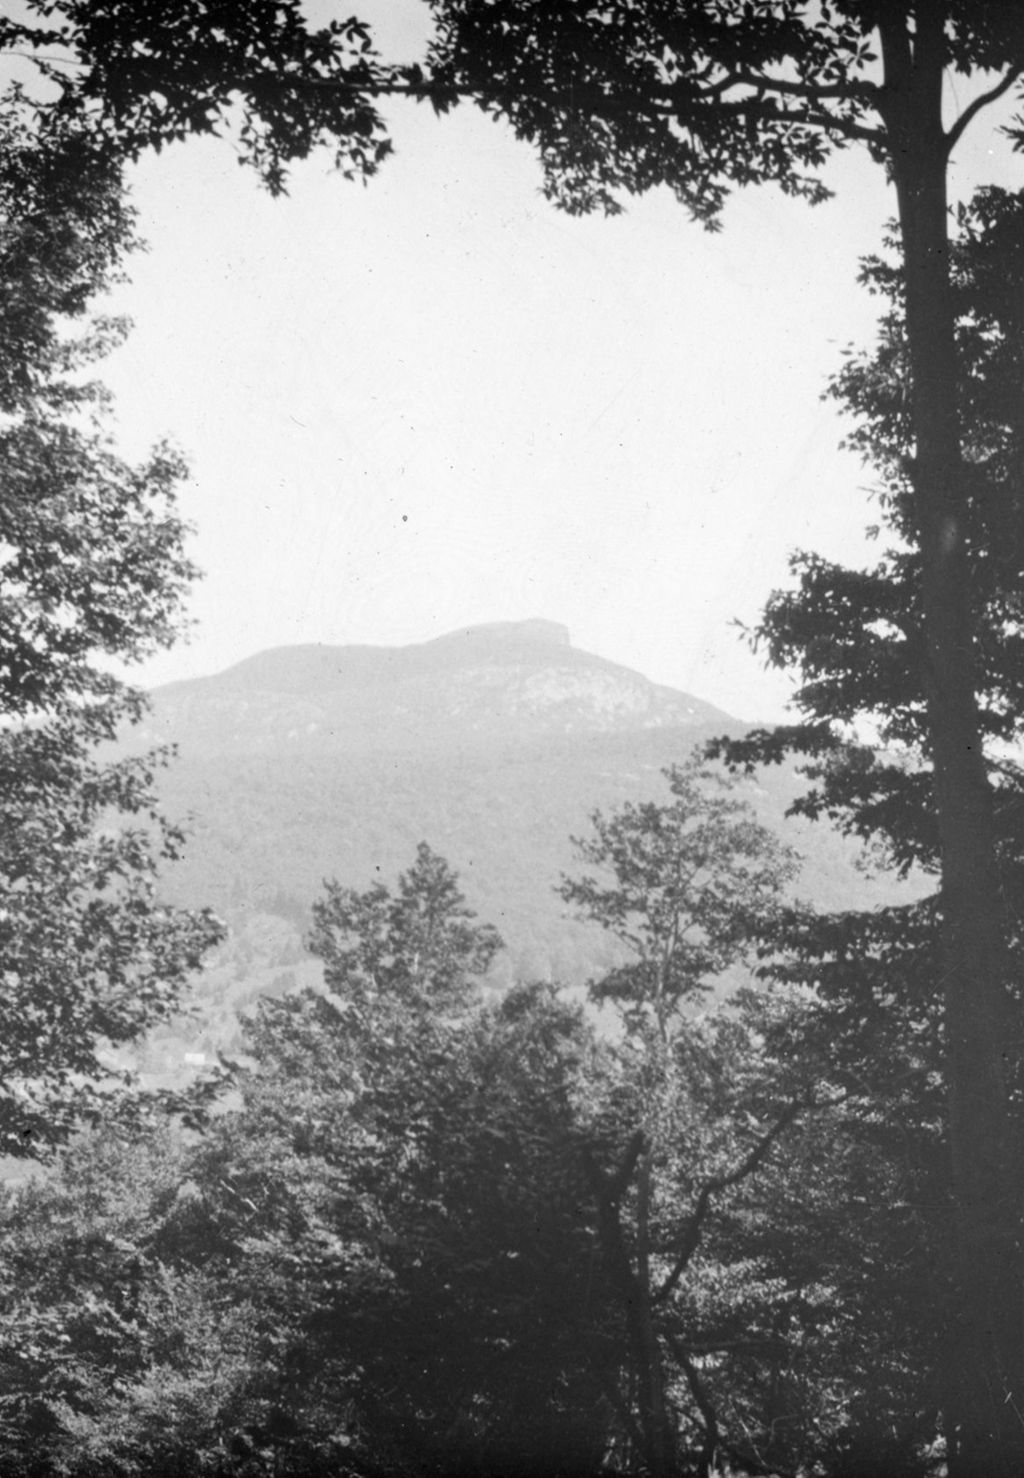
(444, 1234)
(433, 1232)
(92, 570)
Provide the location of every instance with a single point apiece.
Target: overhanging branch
(956, 132)
(855, 92)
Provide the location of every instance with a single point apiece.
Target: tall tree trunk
(977, 1013)
(634, 1293)
(662, 1438)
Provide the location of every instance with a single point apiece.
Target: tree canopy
(147, 75)
(94, 573)
(624, 97)
(684, 885)
(91, 548)
(472, 1240)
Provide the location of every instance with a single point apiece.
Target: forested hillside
(493, 744)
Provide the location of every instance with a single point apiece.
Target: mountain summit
(517, 678)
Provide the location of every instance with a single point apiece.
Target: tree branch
(597, 100)
(808, 117)
(703, 1404)
(956, 132)
(747, 1166)
(859, 92)
(34, 55)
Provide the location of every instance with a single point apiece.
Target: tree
(128, 1346)
(690, 880)
(418, 947)
(336, 1161)
(619, 98)
(94, 572)
(90, 959)
(769, 1190)
(147, 75)
(401, 1193)
(92, 557)
(687, 886)
(855, 637)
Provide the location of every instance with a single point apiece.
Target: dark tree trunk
(987, 1321)
(634, 1293)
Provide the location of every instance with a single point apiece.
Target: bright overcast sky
(435, 401)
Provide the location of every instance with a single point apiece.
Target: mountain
(494, 744)
(512, 678)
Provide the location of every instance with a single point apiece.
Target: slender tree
(684, 885)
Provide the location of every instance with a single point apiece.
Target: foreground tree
(379, 1262)
(142, 76)
(90, 548)
(90, 958)
(623, 97)
(769, 1193)
(94, 573)
(855, 638)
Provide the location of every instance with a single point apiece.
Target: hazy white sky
(435, 401)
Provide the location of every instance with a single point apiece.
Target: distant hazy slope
(492, 744)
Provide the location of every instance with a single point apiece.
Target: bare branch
(34, 55)
(956, 132)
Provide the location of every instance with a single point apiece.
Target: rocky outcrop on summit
(482, 683)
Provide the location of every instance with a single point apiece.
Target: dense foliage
(854, 636)
(145, 75)
(440, 1233)
(94, 573)
(749, 1210)
(381, 1253)
(91, 548)
(682, 886)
